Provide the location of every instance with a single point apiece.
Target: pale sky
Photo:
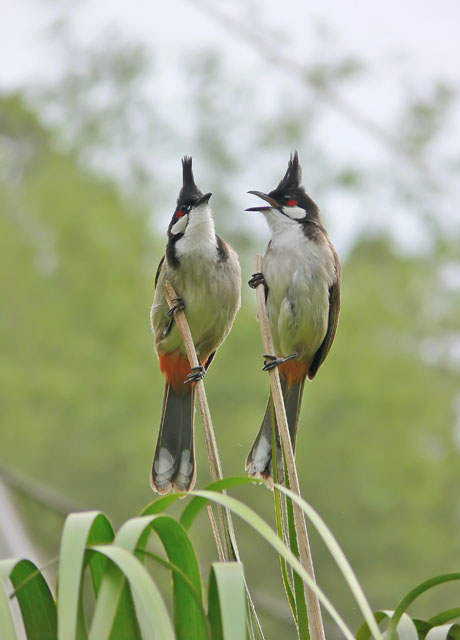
(403, 44)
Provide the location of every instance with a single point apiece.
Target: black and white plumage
(205, 273)
(301, 272)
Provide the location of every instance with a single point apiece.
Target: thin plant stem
(314, 612)
(215, 466)
(230, 548)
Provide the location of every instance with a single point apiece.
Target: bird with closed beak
(301, 275)
(205, 273)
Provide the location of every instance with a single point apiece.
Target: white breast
(298, 272)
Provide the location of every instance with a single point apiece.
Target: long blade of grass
(266, 532)
(299, 589)
(406, 627)
(284, 572)
(78, 529)
(151, 610)
(134, 535)
(227, 603)
(197, 503)
(445, 616)
(34, 597)
(177, 571)
(187, 616)
(413, 595)
(339, 558)
(280, 529)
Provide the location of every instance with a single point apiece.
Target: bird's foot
(196, 373)
(271, 362)
(178, 306)
(256, 279)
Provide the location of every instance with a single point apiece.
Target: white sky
(403, 43)
(424, 31)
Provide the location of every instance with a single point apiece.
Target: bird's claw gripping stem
(271, 362)
(256, 279)
(196, 373)
(178, 306)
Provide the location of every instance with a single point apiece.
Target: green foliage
(79, 388)
(78, 376)
(116, 563)
(126, 602)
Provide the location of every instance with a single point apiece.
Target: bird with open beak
(301, 274)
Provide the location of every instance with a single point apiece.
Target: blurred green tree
(79, 387)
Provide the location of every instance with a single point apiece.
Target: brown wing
(334, 308)
(157, 275)
(160, 322)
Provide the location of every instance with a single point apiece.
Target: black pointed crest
(293, 176)
(189, 189)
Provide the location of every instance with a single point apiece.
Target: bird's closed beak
(271, 201)
(204, 199)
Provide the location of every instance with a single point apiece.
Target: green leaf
(151, 610)
(413, 595)
(284, 572)
(133, 535)
(406, 628)
(79, 528)
(181, 576)
(443, 632)
(197, 503)
(36, 602)
(280, 528)
(266, 532)
(227, 602)
(445, 616)
(187, 617)
(339, 558)
(299, 588)
(190, 513)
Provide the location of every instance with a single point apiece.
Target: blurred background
(98, 102)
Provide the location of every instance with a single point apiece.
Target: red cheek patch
(179, 214)
(291, 203)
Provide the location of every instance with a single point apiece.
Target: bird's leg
(256, 279)
(178, 306)
(196, 373)
(270, 362)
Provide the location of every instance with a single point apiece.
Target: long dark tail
(174, 460)
(259, 461)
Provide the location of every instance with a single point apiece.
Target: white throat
(280, 224)
(200, 234)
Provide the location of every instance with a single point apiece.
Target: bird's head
(190, 200)
(289, 199)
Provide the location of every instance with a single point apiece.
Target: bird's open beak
(271, 201)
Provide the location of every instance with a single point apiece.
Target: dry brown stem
(314, 612)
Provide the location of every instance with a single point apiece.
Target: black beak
(271, 201)
(204, 199)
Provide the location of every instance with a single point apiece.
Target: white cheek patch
(179, 226)
(296, 213)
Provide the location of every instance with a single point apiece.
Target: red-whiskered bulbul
(301, 273)
(205, 273)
